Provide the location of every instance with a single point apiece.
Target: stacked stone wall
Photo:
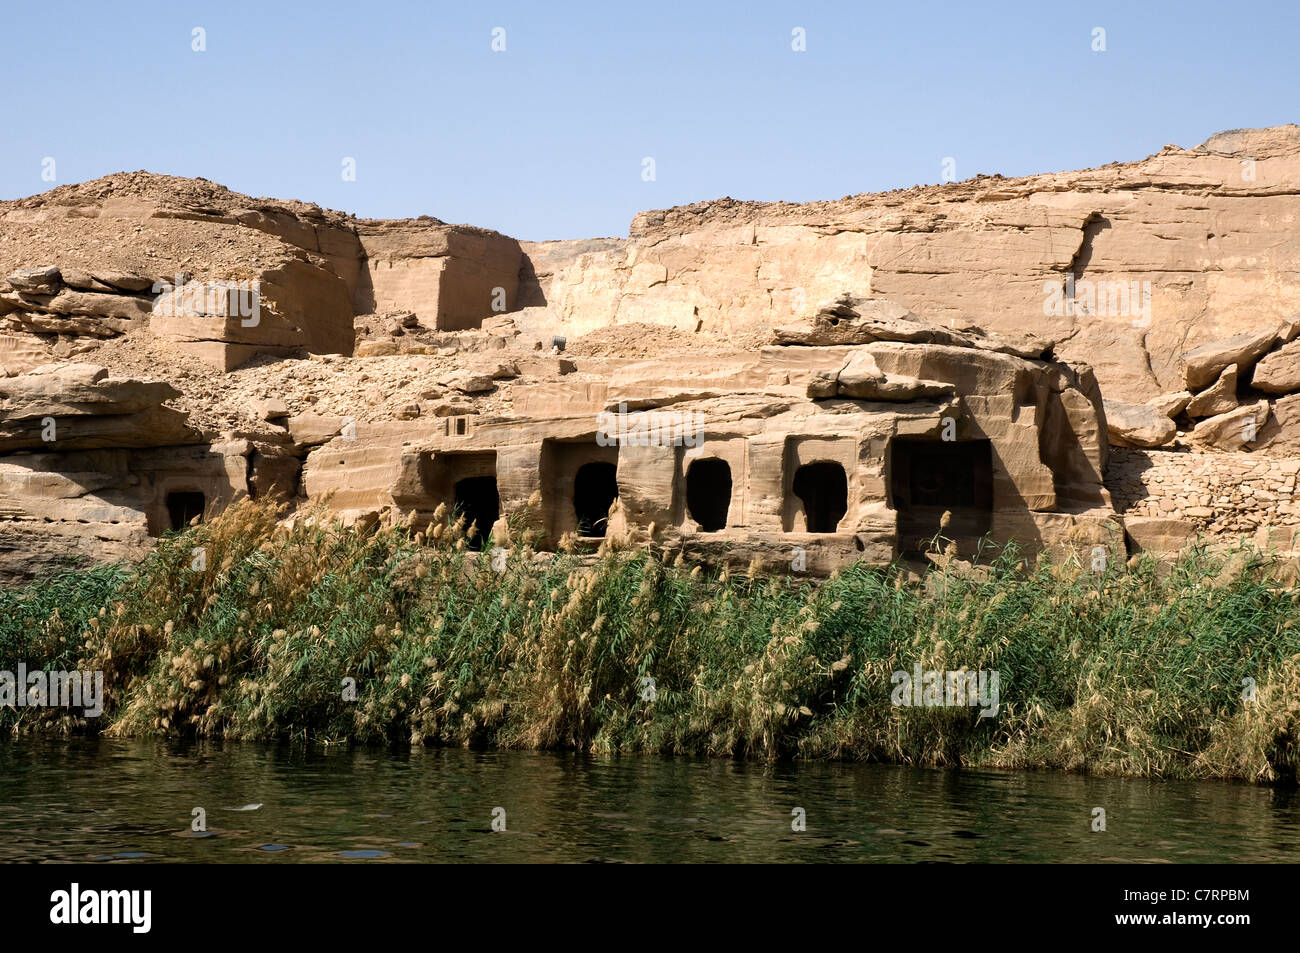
(1223, 494)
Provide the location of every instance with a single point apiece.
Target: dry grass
(1138, 671)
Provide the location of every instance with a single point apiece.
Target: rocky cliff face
(226, 276)
(1127, 266)
(167, 345)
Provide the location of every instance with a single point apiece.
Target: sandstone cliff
(167, 345)
(1210, 231)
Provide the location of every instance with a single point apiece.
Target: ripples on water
(131, 802)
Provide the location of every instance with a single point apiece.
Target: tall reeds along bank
(323, 634)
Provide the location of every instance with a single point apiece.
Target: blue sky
(546, 139)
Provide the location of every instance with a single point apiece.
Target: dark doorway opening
(478, 502)
(183, 507)
(708, 493)
(595, 488)
(931, 477)
(823, 489)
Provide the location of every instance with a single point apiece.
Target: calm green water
(132, 801)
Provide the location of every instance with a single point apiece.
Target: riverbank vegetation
(243, 628)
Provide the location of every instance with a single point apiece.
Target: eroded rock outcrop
(749, 455)
(1138, 425)
(1234, 429)
(94, 466)
(1127, 266)
(1279, 372)
(452, 276)
(80, 407)
(102, 258)
(167, 345)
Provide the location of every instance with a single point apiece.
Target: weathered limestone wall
(452, 276)
(543, 260)
(1221, 494)
(104, 505)
(95, 466)
(1210, 230)
(135, 250)
(1056, 267)
(901, 421)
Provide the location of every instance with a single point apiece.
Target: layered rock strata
(1107, 357)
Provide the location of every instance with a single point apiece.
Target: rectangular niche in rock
(183, 506)
(579, 485)
(467, 483)
(931, 477)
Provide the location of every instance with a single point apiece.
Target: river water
(134, 801)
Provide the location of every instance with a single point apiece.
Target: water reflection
(131, 802)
